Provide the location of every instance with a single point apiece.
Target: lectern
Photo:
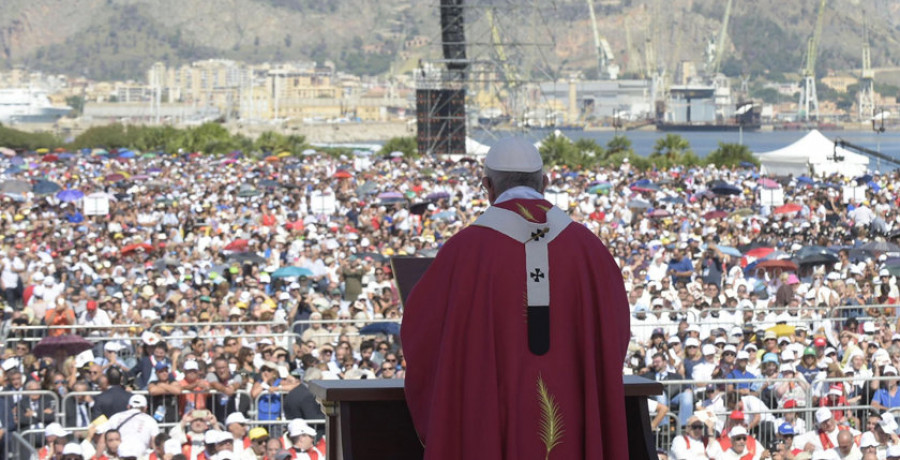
(369, 419)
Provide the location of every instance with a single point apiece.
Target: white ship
(28, 105)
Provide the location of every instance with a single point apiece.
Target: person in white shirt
(738, 449)
(692, 444)
(846, 449)
(136, 427)
(825, 437)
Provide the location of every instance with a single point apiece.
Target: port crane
(720, 43)
(808, 106)
(605, 57)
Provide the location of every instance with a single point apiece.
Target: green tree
(669, 150)
(270, 142)
(731, 155)
(619, 144)
(407, 144)
(557, 150)
(15, 139)
(76, 103)
(109, 136)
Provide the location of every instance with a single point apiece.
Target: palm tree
(671, 148)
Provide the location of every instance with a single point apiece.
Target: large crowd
(215, 287)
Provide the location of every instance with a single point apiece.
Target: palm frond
(551, 425)
(524, 212)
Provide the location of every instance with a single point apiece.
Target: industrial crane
(808, 99)
(720, 43)
(605, 56)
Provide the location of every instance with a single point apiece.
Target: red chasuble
(471, 381)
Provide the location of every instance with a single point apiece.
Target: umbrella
(99, 152)
(638, 204)
(760, 252)
(237, 245)
(727, 250)
(396, 154)
(599, 188)
(743, 212)
(715, 215)
(789, 208)
(342, 174)
(140, 177)
(45, 187)
(367, 188)
(369, 255)
(864, 179)
(13, 170)
(444, 215)
(61, 345)
(768, 183)
(458, 172)
(8, 152)
(659, 213)
(308, 152)
(15, 186)
(42, 151)
(806, 180)
(246, 258)
(161, 264)
(116, 177)
(50, 158)
(272, 159)
(139, 247)
(437, 196)
(776, 263)
(420, 208)
(815, 255)
(128, 154)
(390, 195)
(292, 272)
(248, 192)
(269, 183)
(70, 195)
(673, 200)
(383, 328)
(724, 188)
(880, 246)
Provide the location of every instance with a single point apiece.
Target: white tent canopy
(812, 155)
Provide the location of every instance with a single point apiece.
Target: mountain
(120, 39)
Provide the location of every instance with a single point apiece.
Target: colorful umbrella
(237, 245)
(45, 187)
(15, 186)
(70, 195)
(116, 177)
(292, 272)
(783, 264)
(139, 247)
(789, 208)
(62, 345)
(342, 174)
(6, 151)
(715, 215)
(50, 158)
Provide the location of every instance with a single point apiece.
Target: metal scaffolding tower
(866, 79)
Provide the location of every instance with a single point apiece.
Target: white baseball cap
(297, 427)
(191, 366)
(55, 429)
(868, 440)
(737, 431)
(137, 401)
(823, 414)
(691, 342)
(708, 350)
(235, 417)
(72, 448)
(743, 355)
